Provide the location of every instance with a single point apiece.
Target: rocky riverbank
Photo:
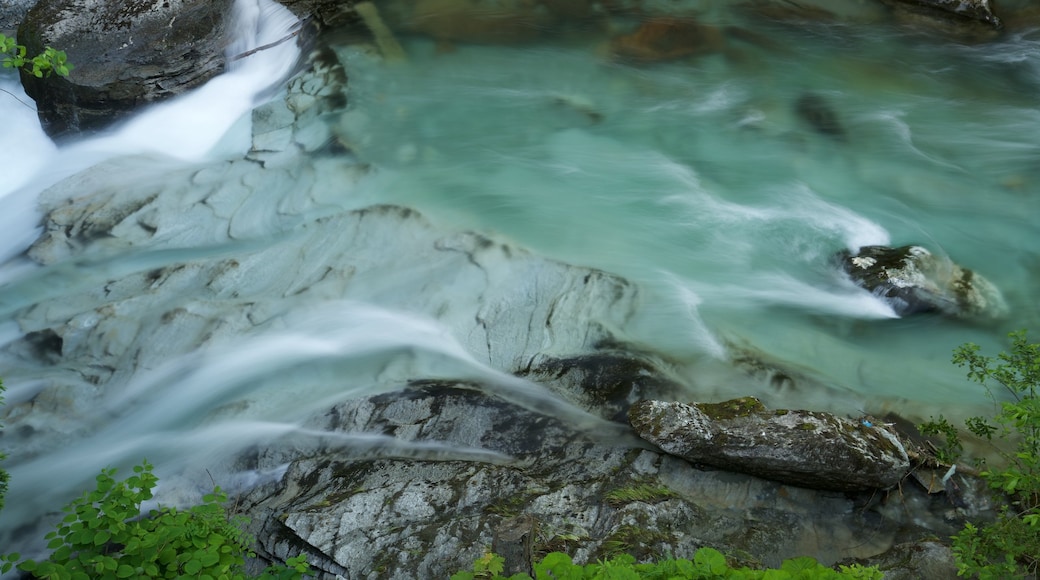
(522, 441)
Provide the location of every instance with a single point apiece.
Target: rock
(126, 54)
(450, 468)
(662, 38)
(820, 116)
(915, 560)
(809, 449)
(12, 12)
(470, 21)
(969, 16)
(913, 280)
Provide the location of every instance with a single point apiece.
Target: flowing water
(696, 179)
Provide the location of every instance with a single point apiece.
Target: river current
(699, 180)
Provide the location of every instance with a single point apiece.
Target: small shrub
(103, 536)
(1010, 546)
(707, 564)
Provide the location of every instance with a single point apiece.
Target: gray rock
(957, 12)
(927, 560)
(913, 280)
(126, 54)
(805, 448)
(452, 468)
(12, 12)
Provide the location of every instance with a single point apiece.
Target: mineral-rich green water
(699, 179)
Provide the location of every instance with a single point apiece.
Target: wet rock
(818, 114)
(915, 560)
(809, 449)
(968, 16)
(450, 468)
(662, 39)
(126, 54)
(913, 280)
(470, 21)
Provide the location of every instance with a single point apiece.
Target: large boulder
(913, 280)
(804, 448)
(126, 54)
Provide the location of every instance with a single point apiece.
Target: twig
(293, 34)
(15, 97)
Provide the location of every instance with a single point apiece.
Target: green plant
(951, 449)
(14, 55)
(707, 563)
(3, 474)
(1009, 547)
(102, 536)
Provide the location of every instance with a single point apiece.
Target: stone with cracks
(804, 448)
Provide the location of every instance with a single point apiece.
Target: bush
(1010, 546)
(103, 536)
(707, 564)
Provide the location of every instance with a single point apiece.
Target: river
(696, 179)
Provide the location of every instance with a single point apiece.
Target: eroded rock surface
(913, 280)
(810, 449)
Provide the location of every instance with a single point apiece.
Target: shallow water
(696, 179)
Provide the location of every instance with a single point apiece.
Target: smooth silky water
(695, 179)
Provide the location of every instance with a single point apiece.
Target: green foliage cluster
(14, 55)
(1010, 546)
(104, 537)
(3, 474)
(707, 564)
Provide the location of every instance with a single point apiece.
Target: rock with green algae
(804, 448)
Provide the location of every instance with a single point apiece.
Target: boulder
(804, 448)
(964, 14)
(126, 54)
(663, 39)
(913, 280)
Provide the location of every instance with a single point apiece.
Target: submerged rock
(661, 39)
(820, 116)
(955, 15)
(913, 280)
(805, 448)
(126, 54)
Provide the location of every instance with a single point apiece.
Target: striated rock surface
(451, 468)
(126, 54)
(805, 448)
(913, 280)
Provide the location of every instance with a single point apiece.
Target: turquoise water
(697, 179)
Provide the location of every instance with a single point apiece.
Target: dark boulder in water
(913, 280)
(126, 54)
(818, 114)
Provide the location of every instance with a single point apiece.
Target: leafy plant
(103, 537)
(1010, 546)
(707, 564)
(44, 64)
(3, 474)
